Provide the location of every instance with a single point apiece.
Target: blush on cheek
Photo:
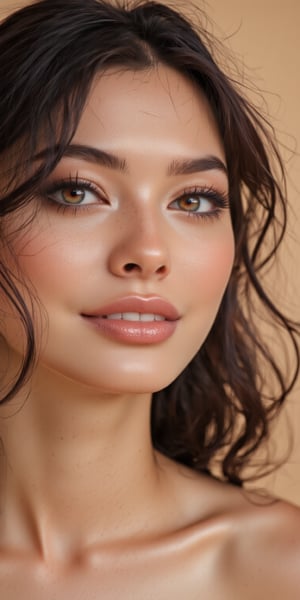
(221, 264)
(42, 261)
(212, 268)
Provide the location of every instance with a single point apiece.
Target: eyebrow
(89, 154)
(106, 159)
(196, 165)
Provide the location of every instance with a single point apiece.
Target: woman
(136, 203)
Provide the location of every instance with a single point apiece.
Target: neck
(79, 464)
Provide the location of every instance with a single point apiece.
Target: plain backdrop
(265, 38)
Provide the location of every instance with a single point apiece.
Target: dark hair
(50, 53)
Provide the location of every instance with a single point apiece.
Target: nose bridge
(147, 228)
(142, 247)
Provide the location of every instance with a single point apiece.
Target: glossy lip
(135, 332)
(138, 304)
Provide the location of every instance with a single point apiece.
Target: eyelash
(64, 184)
(220, 199)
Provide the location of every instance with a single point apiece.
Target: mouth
(137, 308)
(136, 320)
(134, 316)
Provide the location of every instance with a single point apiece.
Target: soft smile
(136, 320)
(137, 308)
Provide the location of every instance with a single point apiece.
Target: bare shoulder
(263, 550)
(254, 540)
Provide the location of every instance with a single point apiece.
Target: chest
(176, 576)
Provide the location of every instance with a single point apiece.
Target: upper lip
(139, 304)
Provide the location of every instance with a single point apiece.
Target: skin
(89, 509)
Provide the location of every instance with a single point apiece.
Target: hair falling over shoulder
(50, 53)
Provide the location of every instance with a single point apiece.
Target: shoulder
(262, 551)
(254, 540)
(259, 554)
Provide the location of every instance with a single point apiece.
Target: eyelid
(220, 198)
(63, 183)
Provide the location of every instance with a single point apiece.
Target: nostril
(161, 270)
(130, 267)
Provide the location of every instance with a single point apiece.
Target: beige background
(265, 36)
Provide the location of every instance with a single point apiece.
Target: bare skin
(229, 548)
(88, 509)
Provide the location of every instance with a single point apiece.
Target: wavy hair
(50, 53)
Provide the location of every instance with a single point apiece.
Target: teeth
(132, 316)
(114, 316)
(150, 317)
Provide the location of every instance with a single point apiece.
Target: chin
(131, 379)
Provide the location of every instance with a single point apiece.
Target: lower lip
(134, 332)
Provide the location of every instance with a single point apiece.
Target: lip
(135, 332)
(139, 304)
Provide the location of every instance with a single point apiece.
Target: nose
(142, 250)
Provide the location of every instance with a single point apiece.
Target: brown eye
(73, 195)
(193, 203)
(69, 193)
(189, 203)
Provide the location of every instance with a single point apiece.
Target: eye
(194, 203)
(73, 193)
(200, 202)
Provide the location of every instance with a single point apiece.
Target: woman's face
(132, 248)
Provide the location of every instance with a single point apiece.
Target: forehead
(157, 107)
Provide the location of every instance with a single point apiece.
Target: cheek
(198, 285)
(210, 267)
(52, 266)
(206, 278)
(40, 260)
